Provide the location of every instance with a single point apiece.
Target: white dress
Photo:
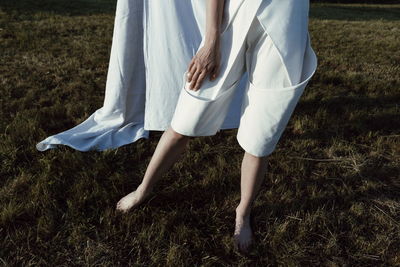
(153, 42)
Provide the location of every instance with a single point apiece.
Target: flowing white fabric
(153, 42)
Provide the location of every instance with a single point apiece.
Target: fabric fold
(153, 42)
(120, 120)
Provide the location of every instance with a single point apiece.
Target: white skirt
(153, 43)
(267, 101)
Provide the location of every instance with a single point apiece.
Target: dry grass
(331, 196)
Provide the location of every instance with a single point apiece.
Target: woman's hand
(208, 58)
(205, 62)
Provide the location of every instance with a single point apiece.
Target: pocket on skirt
(308, 70)
(198, 116)
(197, 94)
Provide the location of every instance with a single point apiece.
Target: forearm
(215, 10)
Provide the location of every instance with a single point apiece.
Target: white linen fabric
(267, 103)
(153, 42)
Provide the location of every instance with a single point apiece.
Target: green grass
(331, 196)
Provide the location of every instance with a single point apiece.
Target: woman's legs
(168, 150)
(253, 172)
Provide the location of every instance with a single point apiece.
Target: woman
(193, 117)
(245, 64)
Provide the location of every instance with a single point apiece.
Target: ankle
(242, 213)
(144, 189)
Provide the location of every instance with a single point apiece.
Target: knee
(177, 136)
(257, 157)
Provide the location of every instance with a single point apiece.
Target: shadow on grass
(385, 122)
(354, 13)
(69, 8)
(329, 11)
(378, 2)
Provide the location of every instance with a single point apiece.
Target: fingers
(214, 73)
(191, 69)
(217, 68)
(194, 76)
(198, 75)
(200, 79)
(197, 72)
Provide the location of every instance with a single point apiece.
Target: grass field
(331, 196)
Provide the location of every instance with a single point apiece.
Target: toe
(235, 243)
(120, 206)
(243, 247)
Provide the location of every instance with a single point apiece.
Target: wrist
(212, 38)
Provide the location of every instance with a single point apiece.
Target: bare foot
(243, 235)
(132, 200)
